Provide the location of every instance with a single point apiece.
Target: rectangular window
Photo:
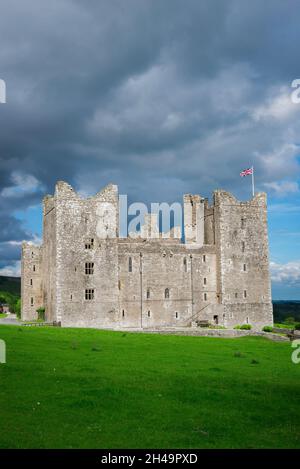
(245, 293)
(243, 246)
(205, 296)
(204, 258)
(123, 313)
(31, 283)
(205, 281)
(89, 294)
(34, 268)
(32, 302)
(177, 315)
(149, 314)
(89, 244)
(130, 264)
(148, 293)
(243, 222)
(245, 267)
(89, 268)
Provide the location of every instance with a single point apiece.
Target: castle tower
(193, 219)
(242, 251)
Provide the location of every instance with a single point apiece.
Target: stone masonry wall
(144, 282)
(31, 281)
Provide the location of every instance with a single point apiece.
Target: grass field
(77, 388)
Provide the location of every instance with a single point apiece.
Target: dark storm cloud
(9, 252)
(159, 97)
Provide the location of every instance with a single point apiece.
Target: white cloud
(282, 188)
(22, 184)
(288, 273)
(13, 270)
(281, 162)
(279, 106)
(284, 208)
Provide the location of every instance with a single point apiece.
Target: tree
(41, 313)
(290, 320)
(18, 308)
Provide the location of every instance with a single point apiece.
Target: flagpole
(253, 190)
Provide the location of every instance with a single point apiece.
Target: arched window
(167, 293)
(130, 264)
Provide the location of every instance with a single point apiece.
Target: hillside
(11, 285)
(286, 309)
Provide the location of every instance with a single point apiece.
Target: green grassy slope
(76, 388)
(11, 285)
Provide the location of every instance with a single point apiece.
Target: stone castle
(86, 275)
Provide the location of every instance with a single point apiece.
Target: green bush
(243, 327)
(267, 329)
(297, 326)
(246, 327)
(41, 314)
(283, 326)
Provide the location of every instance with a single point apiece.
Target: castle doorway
(216, 319)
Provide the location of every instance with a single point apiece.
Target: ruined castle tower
(85, 275)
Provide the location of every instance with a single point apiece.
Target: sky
(160, 97)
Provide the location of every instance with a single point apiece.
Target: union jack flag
(246, 172)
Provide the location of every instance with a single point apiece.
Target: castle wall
(31, 281)
(49, 258)
(188, 274)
